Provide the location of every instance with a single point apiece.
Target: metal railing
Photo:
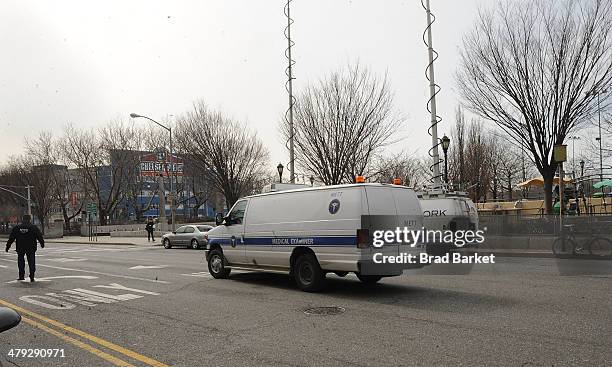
(522, 225)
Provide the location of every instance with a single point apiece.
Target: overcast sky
(88, 62)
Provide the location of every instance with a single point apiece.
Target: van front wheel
(369, 279)
(308, 274)
(216, 265)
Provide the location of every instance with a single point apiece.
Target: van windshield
(237, 214)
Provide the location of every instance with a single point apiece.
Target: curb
(102, 243)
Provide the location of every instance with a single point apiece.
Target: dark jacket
(150, 227)
(26, 236)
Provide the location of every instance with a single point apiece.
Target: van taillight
(363, 238)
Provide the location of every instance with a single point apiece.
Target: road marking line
(139, 267)
(107, 357)
(202, 274)
(82, 334)
(67, 259)
(97, 272)
(48, 279)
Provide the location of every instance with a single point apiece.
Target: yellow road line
(95, 339)
(112, 359)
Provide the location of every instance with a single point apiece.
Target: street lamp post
(445, 144)
(28, 198)
(280, 168)
(172, 175)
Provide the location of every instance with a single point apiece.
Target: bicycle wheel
(600, 246)
(563, 247)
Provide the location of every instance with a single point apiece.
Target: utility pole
(172, 174)
(290, 90)
(29, 201)
(162, 204)
(173, 193)
(432, 93)
(28, 198)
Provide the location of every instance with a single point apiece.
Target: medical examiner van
(310, 232)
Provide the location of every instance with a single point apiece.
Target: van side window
(237, 214)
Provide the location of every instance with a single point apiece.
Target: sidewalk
(106, 240)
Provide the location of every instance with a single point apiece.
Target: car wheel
(216, 265)
(308, 273)
(167, 244)
(194, 244)
(369, 279)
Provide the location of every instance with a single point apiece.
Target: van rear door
(382, 215)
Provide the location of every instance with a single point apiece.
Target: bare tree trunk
(548, 196)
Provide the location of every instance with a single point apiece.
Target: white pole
(290, 69)
(432, 94)
(29, 202)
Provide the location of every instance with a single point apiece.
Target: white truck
(444, 210)
(314, 231)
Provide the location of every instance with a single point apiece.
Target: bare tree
(409, 168)
(11, 206)
(106, 158)
(234, 157)
(199, 188)
(470, 158)
(341, 123)
(68, 192)
(38, 167)
(457, 155)
(533, 68)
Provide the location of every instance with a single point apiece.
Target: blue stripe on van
(292, 241)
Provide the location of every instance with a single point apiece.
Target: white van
(447, 211)
(313, 231)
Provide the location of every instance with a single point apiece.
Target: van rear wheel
(216, 265)
(308, 273)
(369, 279)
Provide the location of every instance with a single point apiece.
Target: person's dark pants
(150, 236)
(31, 255)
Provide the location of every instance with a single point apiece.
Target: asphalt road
(105, 305)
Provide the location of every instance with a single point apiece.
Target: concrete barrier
(143, 234)
(534, 242)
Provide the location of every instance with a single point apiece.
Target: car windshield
(204, 228)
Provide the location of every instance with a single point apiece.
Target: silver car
(192, 235)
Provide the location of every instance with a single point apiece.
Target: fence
(519, 225)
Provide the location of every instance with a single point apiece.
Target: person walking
(26, 234)
(150, 227)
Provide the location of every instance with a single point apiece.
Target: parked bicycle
(567, 245)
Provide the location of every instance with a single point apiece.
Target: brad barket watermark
(458, 238)
(411, 237)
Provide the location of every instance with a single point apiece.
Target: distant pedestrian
(26, 234)
(150, 227)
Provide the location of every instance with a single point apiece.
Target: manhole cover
(325, 311)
